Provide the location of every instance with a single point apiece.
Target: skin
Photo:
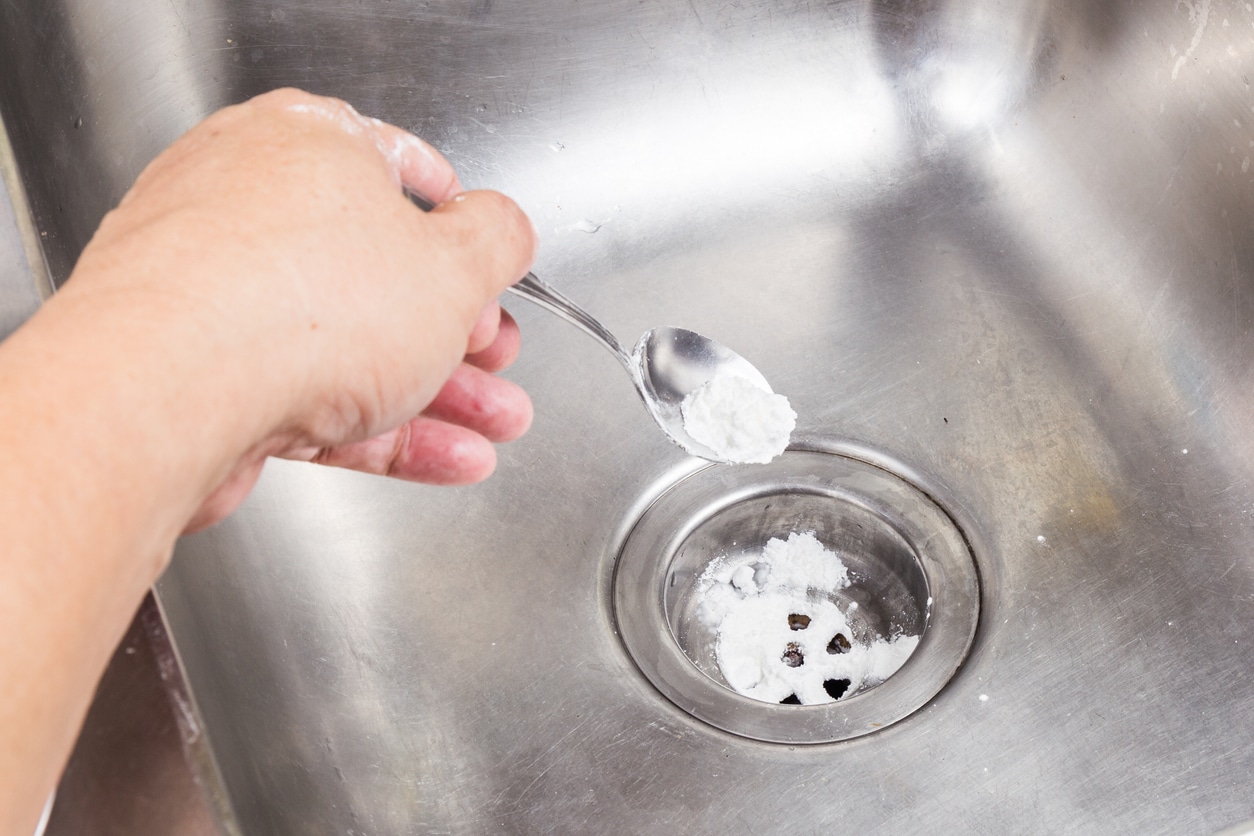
(264, 289)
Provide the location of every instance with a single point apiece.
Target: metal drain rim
(940, 549)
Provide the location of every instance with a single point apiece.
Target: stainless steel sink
(1004, 249)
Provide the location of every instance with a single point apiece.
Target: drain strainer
(909, 574)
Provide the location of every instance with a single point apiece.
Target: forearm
(107, 451)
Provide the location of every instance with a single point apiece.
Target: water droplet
(588, 226)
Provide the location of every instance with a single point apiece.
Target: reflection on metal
(131, 770)
(24, 280)
(196, 746)
(42, 825)
(1008, 243)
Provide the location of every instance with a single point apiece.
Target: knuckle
(510, 229)
(283, 97)
(487, 239)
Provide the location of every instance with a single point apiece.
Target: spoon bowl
(666, 366)
(671, 363)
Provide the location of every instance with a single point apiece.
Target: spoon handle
(531, 288)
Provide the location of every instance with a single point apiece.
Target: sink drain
(728, 586)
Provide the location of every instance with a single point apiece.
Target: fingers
(483, 334)
(491, 406)
(492, 240)
(504, 348)
(487, 237)
(410, 161)
(418, 166)
(472, 399)
(423, 450)
(450, 443)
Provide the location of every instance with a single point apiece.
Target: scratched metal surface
(19, 293)
(1006, 243)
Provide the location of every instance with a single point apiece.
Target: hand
(369, 330)
(264, 289)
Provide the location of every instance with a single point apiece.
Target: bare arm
(263, 290)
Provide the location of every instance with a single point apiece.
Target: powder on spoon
(738, 420)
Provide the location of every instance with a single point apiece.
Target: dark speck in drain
(836, 688)
(792, 656)
(797, 621)
(838, 644)
(791, 699)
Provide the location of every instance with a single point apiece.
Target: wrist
(152, 427)
(103, 464)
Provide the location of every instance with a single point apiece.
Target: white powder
(397, 151)
(738, 420)
(780, 635)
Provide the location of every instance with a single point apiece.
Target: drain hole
(836, 688)
(838, 644)
(808, 582)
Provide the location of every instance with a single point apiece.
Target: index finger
(411, 162)
(419, 167)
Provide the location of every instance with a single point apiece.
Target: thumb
(495, 243)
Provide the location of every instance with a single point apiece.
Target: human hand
(264, 289)
(339, 323)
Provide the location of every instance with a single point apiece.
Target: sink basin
(1002, 250)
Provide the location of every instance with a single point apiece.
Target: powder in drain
(780, 636)
(738, 420)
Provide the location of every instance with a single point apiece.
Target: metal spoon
(666, 365)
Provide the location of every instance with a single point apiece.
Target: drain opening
(793, 656)
(697, 576)
(768, 615)
(836, 688)
(769, 612)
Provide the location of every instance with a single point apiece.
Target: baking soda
(780, 636)
(739, 420)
